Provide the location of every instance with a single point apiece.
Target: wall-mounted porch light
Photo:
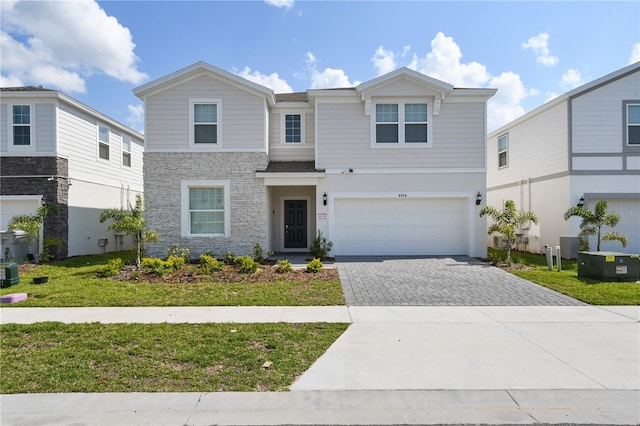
(478, 198)
(324, 199)
(581, 202)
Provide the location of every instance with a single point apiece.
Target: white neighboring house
(394, 166)
(584, 144)
(57, 150)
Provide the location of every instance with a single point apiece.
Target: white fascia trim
(289, 180)
(403, 171)
(184, 206)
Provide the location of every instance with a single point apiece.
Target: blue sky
(97, 52)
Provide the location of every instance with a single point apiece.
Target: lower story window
(205, 208)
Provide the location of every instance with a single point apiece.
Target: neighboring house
(584, 144)
(391, 167)
(56, 150)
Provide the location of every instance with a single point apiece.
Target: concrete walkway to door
(438, 281)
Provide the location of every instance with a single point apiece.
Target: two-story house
(581, 147)
(56, 150)
(394, 166)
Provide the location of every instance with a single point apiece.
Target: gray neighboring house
(583, 146)
(394, 166)
(56, 150)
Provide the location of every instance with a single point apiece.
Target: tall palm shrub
(592, 223)
(507, 221)
(131, 222)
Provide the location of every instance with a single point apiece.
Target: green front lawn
(567, 281)
(54, 357)
(74, 282)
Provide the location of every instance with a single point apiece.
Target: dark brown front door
(295, 224)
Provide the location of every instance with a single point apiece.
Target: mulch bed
(192, 274)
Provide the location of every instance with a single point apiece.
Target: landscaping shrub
(229, 258)
(161, 267)
(175, 262)
(258, 255)
(209, 264)
(176, 251)
(112, 268)
(314, 266)
(245, 264)
(320, 246)
(284, 266)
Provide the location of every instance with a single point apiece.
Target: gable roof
(199, 68)
(578, 91)
(407, 74)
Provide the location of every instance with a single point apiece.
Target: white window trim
(123, 151)
(401, 123)
(185, 185)
(628, 125)
(506, 150)
(205, 146)
(99, 142)
(32, 131)
(283, 121)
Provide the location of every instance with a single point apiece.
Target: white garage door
(16, 205)
(629, 225)
(400, 226)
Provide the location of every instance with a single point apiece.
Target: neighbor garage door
(400, 226)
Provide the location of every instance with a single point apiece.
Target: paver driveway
(438, 281)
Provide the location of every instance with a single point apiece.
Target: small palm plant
(592, 223)
(31, 225)
(131, 222)
(507, 221)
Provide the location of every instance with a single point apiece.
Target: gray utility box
(608, 266)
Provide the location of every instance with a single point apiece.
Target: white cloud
(136, 117)
(60, 43)
(444, 62)
(329, 78)
(539, 45)
(272, 81)
(384, 61)
(282, 4)
(635, 54)
(571, 79)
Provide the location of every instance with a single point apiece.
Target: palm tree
(593, 221)
(31, 225)
(131, 222)
(507, 221)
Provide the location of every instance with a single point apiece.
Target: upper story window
(103, 142)
(633, 124)
(204, 122)
(293, 128)
(503, 148)
(401, 123)
(21, 125)
(126, 151)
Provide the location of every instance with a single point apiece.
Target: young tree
(593, 221)
(31, 225)
(507, 221)
(131, 222)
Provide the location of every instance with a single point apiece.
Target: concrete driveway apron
(438, 281)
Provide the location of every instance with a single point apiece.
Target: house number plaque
(402, 195)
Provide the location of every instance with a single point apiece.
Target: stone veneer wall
(33, 173)
(163, 173)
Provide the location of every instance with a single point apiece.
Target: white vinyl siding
(279, 150)
(344, 139)
(536, 147)
(598, 115)
(242, 121)
(205, 208)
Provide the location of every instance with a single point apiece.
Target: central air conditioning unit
(500, 242)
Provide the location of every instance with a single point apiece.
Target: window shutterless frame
(503, 151)
(205, 123)
(633, 124)
(21, 125)
(103, 142)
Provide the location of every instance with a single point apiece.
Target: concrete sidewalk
(394, 365)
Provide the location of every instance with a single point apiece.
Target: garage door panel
(400, 226)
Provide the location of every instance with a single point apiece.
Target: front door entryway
(295, 224)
